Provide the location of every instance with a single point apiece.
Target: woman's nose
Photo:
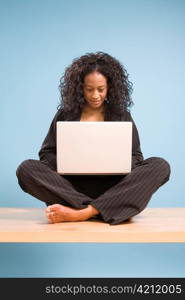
(95, 95)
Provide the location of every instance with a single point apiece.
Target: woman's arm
(137, 154)
(47, 153)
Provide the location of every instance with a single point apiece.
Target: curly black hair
(71, 84)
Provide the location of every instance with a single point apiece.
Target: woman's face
(95, 89)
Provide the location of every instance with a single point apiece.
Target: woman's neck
(91, 111)
(89, 114)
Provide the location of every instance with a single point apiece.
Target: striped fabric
(116, 197)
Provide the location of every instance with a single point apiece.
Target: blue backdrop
(39, 39)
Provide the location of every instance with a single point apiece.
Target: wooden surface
(153, 225)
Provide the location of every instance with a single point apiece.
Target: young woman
(95, 87)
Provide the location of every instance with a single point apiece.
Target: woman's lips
(95, 102)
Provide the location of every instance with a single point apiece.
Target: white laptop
(94, 148)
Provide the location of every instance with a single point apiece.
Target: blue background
(39, 39)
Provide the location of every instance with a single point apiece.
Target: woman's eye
(90, 90)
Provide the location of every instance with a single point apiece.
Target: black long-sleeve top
(47, 153)
(86, 183)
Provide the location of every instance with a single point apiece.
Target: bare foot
(57, 213)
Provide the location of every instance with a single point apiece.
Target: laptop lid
(99, 148)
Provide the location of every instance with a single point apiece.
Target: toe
(47, 211)
(50, 208)
(50, 215)
(55, 207)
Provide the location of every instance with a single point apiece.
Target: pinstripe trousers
(117, 198)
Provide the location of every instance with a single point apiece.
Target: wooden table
(153, 225)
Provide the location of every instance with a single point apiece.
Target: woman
(95, 87)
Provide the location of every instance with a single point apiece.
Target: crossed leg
(64, 202)
(123, 200)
